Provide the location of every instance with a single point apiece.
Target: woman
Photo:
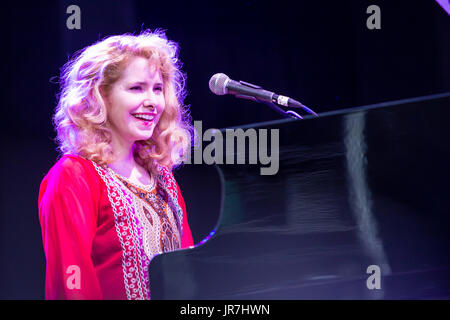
(111, 203)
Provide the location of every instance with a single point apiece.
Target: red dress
(100, 231)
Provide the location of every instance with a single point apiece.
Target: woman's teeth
(144, 117)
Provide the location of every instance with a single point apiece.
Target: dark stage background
(318, 52)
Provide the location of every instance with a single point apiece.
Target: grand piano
(359, 209)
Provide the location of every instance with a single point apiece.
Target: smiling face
(135, 103)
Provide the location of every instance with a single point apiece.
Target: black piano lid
(356, 188)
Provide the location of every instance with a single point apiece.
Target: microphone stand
(288, 113)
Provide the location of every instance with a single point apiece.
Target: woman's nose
(149, 104)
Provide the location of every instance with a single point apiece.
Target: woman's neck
(126, 166)
(124, 162)
(123, 152)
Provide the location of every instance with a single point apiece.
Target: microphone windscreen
(217, 83)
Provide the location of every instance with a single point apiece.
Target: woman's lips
(144, 118)
(144, 122)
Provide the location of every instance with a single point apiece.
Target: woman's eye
(158, 88)
(135, 88)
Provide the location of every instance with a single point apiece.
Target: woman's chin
(138, 135)
(144, 136)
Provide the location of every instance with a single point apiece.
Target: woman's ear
(103, 93)
(102, 99)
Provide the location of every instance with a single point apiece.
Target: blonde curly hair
(81, 113)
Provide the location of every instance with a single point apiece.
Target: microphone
(221, 84)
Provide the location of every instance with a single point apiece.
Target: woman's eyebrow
(145, 83)
(139, 82)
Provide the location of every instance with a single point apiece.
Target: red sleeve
(68, 215)
(186, 240)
